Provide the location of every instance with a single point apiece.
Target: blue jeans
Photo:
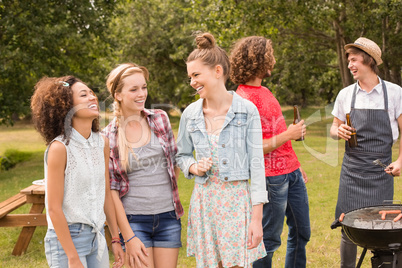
(160, 230)
(85, 243)
(287, 195)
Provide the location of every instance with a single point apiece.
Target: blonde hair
(209, 53)
(114, 84)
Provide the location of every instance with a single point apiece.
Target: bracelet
(116, 240)
(130, 239)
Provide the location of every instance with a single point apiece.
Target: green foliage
(5, 163)
(89, 38)
(309, 46)
(49, 38)
(12, 157)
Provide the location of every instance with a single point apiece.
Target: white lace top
(84, 181)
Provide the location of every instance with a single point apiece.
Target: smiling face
(357, 67)
(133, 94)
(85, 101)
(202, 77)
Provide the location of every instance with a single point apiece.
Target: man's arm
(395, 167)
(293, 132)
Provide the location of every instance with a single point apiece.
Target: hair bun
(205, 41)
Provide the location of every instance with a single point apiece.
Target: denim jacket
(240, 145)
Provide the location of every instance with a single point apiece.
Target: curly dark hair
(210, 53)
(52, 106)
(251, 57)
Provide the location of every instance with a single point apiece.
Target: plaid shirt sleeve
(171, 142)
(160, 125)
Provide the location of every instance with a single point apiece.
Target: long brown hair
(209, 53)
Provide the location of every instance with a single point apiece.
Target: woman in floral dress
(224, 130)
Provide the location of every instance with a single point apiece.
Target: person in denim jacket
(224, 130)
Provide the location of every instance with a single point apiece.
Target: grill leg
(394, 260)
(361, 258)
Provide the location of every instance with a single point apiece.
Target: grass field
(320, 157)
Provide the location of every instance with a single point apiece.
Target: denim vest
(239, 147)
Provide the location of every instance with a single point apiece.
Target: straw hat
(369, 47)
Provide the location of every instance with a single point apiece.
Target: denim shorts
(160, 230)
(85, 243)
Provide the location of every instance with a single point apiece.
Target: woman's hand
(75, 262)
(118, 254)
(255, 234)
(201, 167)
(136, 253)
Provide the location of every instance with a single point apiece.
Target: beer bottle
(353, 139)
(297, 119)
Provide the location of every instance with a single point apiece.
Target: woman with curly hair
(66, 113)
(224, 130)
(252, 60)
(143, 172)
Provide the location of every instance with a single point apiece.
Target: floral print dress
(219, 216)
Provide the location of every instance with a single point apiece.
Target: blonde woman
(142, 172)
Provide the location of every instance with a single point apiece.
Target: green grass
(320, 157)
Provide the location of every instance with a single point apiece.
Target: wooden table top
(34, 190)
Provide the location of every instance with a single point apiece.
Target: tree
(159, 34)
(52, 38)
(89, 38)
(311, 38)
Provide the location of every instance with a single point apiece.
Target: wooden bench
(34, 196)
(12, 204)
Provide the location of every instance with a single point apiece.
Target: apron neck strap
(384, 91)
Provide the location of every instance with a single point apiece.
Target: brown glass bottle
(353, 139)
(297, 119)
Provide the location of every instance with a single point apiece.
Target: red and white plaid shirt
(159, 123)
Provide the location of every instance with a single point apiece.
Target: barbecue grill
(376, 228)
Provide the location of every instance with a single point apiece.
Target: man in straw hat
(375, 108)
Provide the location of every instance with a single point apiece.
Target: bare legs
(162, 257)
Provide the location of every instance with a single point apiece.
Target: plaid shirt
(159, 123)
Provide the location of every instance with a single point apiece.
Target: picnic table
(33, 195)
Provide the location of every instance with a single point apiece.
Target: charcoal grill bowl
(373, 239)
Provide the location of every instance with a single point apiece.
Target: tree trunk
(342, 60)
(390, 71)
(385, 73)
